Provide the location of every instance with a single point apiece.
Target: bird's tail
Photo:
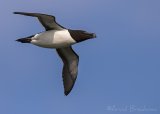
(25, 40)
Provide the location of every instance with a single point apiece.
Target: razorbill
(60, 38)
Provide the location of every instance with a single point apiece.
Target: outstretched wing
(70, 68)
(48, 21)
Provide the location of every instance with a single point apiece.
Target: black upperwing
(48, 21)
(70, 67)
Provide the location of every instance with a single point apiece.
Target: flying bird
(60, 38)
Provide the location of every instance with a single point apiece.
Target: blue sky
(119, 69)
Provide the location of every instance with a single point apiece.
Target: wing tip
(18, 13)
(15, 12)
(67, 92)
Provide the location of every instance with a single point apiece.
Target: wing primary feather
(48, 21)
(70, 68)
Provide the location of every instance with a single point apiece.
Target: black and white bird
(60, 38)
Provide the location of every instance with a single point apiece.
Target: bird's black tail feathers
(25, 40)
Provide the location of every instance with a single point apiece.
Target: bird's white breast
(53, 39)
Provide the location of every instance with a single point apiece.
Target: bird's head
(80, 35)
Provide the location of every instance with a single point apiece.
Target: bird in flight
(62, 39)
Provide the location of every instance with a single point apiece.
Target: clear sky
(119, 72)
